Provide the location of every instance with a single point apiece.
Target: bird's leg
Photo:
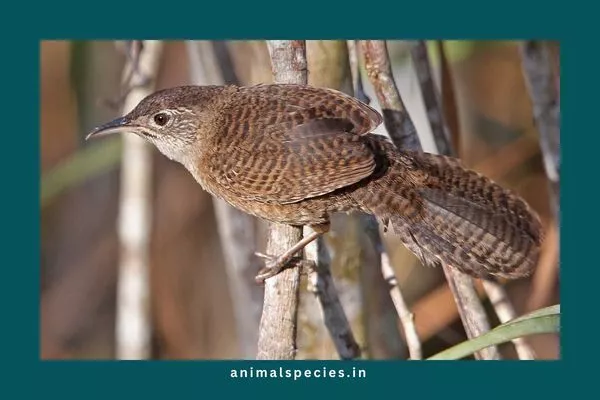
(275, 264)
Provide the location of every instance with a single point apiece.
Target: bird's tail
(444, 212)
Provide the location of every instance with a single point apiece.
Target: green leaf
(90, 161)
(545, 320)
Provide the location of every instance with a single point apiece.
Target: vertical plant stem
(470, 309)
(379, 276)
(435, 113)
(541, 81)
(357, 82)
(133, 327)
(449, 99)
(407, 318)
(322, 285)
(278, 324)
(506, 312)
(397, 122)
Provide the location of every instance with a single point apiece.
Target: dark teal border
(25, 375)
(307, 19)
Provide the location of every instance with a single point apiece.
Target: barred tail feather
(444, 212)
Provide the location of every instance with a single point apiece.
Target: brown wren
(295, 154)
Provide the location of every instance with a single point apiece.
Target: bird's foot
(274, 265)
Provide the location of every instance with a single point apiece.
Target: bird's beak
(118, 125)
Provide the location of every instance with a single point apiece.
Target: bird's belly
(311, 211)
(300, 213)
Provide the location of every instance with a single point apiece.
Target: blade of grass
(92, 160)
(546, 320)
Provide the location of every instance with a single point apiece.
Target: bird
(297, 154)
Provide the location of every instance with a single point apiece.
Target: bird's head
(170, 119)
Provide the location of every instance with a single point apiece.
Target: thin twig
(449, 98)
(470, 309)
(404, 135)
(541, 83)
(322, 285)
(435, 113)
(382, 332)
(357, 83)
(407, 318)
(133, 327)
(235, 228)
(133, 77)
(413, 343)
(437, 311)
(506, 312)
(277, 332)
(397, 122)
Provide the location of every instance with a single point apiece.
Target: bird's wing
(320, 103)
(292, 146)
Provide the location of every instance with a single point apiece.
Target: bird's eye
(161, 119)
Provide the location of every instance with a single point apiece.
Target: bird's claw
(274, 265)
(263, 255)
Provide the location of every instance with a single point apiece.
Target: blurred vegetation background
(191, 304)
